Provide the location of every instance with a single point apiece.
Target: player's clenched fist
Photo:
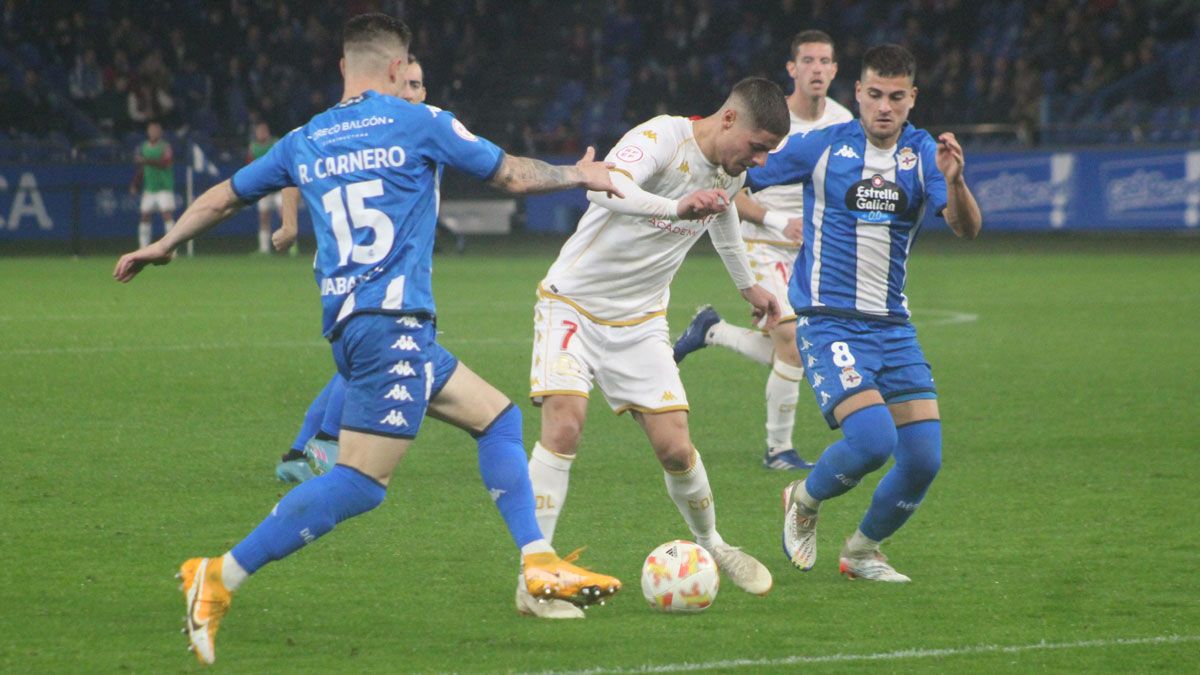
(702, 204)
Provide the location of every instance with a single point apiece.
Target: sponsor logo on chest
(876, 199)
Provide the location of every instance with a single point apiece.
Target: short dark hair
(805, 37)
(764, 101)
(365, 29)
(889, 60)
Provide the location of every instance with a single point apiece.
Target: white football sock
(264, 241)
(232, 574)
(861, 543)
(537, 546)
(783, 390)
(550, 474)
(806, 500)
(143, 235)
(692, 495)
(753, 344)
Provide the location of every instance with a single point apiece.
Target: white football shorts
(633, 365)
(772, 267)
(162, 201)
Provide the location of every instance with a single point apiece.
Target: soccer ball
(680, 576)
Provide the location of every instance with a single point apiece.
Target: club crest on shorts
(568, 365)
(850, 377)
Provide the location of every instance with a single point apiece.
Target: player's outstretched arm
(214, 206)
(525, 175)
(748, 208)
(289, 220)
(962, 211)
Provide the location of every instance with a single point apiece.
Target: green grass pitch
(140, 426)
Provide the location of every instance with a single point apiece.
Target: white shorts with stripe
(631, 362)
(772, 267)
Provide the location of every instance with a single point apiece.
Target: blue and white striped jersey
(368, 168)
(862, 209)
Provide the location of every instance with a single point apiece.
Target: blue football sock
(331, 423)
(505, 471)
(869, 437)
(312, 418)
(918, 458)
(310, 510)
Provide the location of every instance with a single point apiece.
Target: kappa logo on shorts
(803, 321)
(804, 344)
(408, 322)
(394, 418)
(668, 396)
(811, 361)
(403, 369)
(850, 377)
(824, 398)
(399, 393)
(406, 343)
(817, 380)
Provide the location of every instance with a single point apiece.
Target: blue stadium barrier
(1031, 191)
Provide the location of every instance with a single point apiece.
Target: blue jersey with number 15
(367, 169)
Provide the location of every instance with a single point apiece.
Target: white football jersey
(618, 268)
(789, 199)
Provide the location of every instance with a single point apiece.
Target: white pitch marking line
(209, 346)
(942, 317)
(161, 348)
(886, 656)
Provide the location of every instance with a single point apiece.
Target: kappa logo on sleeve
(630, 153)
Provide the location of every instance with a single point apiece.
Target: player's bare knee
(561, 439)
(561, 432)
(676, 455)
(789, 355)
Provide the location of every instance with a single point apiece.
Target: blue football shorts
(393, 367)
(844, 356)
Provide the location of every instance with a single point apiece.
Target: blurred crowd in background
(552, 76)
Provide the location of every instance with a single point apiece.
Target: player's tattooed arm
(525, 175)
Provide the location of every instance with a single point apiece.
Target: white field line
(898, 655)
(111, 349)
(936, 317)
(222, 346)
(942, 317)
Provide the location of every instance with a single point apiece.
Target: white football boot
(870, 564)
(799, 530)
(742, 569)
